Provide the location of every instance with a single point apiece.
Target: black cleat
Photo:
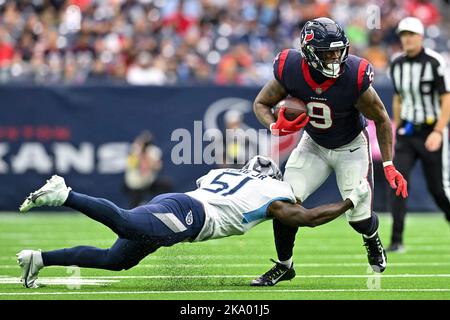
(396, 247)
(375, 253)
(278, 273)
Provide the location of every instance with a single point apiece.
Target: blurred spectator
(233, 65)
(425, 10)
(6, 49)
(227, 42)
(142, 180)
(144, 71)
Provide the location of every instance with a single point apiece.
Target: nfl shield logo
(319, 90)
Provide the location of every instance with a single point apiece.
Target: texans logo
(309, 35)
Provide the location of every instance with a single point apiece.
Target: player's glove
(284, 127)
(359, 193)
(395, 179)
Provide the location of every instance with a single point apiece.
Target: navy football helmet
(264, 165)
(319, 36)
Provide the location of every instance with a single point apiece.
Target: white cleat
(54, 193)
(31, 263)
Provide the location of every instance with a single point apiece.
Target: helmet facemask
(316, 58)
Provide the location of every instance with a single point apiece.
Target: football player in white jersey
(227, 202)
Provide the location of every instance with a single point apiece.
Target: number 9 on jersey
(320, 115)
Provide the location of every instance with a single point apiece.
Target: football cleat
(278, 273)
(396, 247)
(375, 253)
(53, 193)
(31, 262)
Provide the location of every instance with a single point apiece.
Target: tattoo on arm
(272, 93)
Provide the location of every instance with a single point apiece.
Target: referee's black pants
(408, 149)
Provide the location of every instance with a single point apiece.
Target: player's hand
(359, 193)
(434, 141)
(396, 181)
(284, 127)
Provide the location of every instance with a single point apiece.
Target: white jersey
(236, 200)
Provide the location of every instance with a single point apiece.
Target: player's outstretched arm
(295, 215)
(272, 93)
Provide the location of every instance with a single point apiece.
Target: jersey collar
(417, 56)
(317, 88)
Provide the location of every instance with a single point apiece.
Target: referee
(421, 107)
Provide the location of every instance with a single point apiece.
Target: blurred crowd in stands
(166, 42)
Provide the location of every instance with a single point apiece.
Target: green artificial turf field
(330, 263)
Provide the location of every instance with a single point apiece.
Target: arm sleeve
(279, 68)
(365, 75)
(199, 181)
(442, 77)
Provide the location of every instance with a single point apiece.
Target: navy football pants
(166, 220)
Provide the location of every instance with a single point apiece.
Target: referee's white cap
(410, 24)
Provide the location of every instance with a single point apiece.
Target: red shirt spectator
(6, 53)
(425, 10)
(82, 4)
(179, 20)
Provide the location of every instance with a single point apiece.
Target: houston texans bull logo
(309, 35)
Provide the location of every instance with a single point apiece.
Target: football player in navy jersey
(336, 89)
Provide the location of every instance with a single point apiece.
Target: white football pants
(309, 165)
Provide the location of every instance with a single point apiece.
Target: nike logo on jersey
(353, 150)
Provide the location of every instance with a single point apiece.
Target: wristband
(387, 163)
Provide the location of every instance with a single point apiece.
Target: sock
(287, 263)
(367, 227)
(284, 240)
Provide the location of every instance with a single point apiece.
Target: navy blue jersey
(334, 119)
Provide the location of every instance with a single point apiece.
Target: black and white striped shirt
(420, 81)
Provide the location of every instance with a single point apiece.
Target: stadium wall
(83, 133)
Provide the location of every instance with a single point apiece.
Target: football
(294, 108)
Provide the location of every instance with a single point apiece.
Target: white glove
(359, 193)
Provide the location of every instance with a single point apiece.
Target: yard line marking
(251, 265)
(213, 276)
(299, 265)
(298, 276)
(442, 249)
(306, 244)
(258, 256)
(259, 291)
(73, 281)
(233, 257)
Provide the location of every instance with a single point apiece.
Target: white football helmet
(264, 165)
